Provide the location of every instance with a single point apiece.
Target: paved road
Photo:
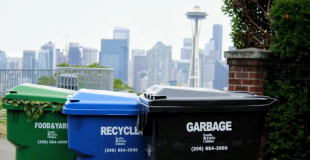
(7, 150)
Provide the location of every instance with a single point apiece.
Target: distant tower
(217, 37)
(194, 70)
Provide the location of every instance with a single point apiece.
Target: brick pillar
(247, 72)
(247, 69)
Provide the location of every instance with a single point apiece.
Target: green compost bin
(44, 138)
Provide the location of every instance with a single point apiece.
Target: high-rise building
(52, 54)
(114, 54)
(29, 59)
(130, 73)
(89, 56)
(59, 57)
(121, 33)
(159, 64)
(209, 68)
(209, 46)
(220, 75)
(43, 59)
(208, 74)
(29, 62)
(137, 52)
(183, 69)
(14, 62)
(217, 37)
(3, 60)
(74, 54)
(213, 55)
(186, 51)
(139, 64)
(141, 84)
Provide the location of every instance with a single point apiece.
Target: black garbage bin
(181, 123)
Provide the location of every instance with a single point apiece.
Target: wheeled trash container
(44, 138)
(102, 125)
(182, 123)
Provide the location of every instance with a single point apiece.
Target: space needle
(194, 78)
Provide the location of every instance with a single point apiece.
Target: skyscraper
(74, 54)
(89, 56)
(159, 64)
(220, 75)
(29, 59)
(139, 64)
(29, 62)
(121, 33)
(209, 46)
(183, 69)
(186, 51)
(141, 84)
(114, 54)
(59, 57)
(14, 62)
(52, 55)
(3, 60)
(43, 59)
(137, 52)
(217, 37)
(130, 73)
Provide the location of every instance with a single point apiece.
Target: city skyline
(146, 24)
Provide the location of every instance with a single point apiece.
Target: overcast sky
(28, 24)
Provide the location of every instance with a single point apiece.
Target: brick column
(247, 69)
(247, 72)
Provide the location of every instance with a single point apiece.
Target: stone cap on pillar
(247, 53)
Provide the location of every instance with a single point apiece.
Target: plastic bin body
(102, 125)
(199, 126)
(45, 138)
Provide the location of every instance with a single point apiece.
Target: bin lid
(166, 98)
(100, 102)
(39, 93)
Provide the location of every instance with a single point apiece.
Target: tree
(287, 124)
(47, 80)
(96, 65)
(119, 85)
(250, 20)
(63, 65)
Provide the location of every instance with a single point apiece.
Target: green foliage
(119, 85)
(291, 44)
(1, 104)
(250, 22)
(286, 124)
(63, 65)
(47, 80)
(33, 109)
(94, 65)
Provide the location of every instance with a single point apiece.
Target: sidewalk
(7, 150)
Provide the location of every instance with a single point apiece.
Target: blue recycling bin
(102, 125)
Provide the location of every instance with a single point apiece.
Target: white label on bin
(119, 130)
(51, 134)
(46, 125)
(208, 138)
(120, 141)
(208, 126)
